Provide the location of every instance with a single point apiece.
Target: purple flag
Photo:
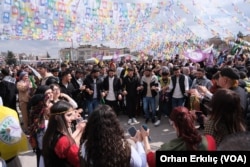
(210, 59)
(94, 55)
(196, 56)
(115, 56)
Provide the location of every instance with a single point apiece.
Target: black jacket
(181, 82)
(89, 82)
(243, 96)
(8, 92)
(116, 85)
(70, 90)
(130, 85)
(153, 82)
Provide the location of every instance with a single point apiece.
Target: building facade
(84, 52)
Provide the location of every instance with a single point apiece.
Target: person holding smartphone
(60, 146)
(188, 137)
(103, 142)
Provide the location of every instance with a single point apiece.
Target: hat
(231, 73)
(21, 75)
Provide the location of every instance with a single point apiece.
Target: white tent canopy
(119, 58)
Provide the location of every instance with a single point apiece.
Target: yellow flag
(12, 138)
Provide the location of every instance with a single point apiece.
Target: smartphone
(80, 119)
(145, 127)
(132, 131)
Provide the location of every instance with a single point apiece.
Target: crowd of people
(70, 110)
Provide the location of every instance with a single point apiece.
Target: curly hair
(105, 144)
(184, 122)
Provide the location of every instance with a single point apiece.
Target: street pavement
(159, 135)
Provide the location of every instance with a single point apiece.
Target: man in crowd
(112, 89)
(67, 87)
(149, 87)
(164, 97)
(131, 86)
(228, 79)
(77, 81)
(8, 89)
(47, 77)
(178, 87)
(93, 89)
(201, 80)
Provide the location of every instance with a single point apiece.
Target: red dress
(65, 150)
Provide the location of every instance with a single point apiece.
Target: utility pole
(71, 50)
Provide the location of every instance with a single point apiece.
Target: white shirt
(138, 155)
(95, 90)
(177, 91)
(118, 71)
(111, 93)
(1, 101)
(80, 81)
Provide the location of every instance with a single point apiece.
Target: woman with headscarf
(24, 87)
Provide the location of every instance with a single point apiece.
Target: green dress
(178, 144)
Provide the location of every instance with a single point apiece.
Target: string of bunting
(137, 25)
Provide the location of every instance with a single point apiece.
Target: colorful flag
(115, 56)
(100, 56)
(12, 138)
(210, 59)
(196, 56)
(67, 58)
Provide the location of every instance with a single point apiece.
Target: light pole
(71, 50)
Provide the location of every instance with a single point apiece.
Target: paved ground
(159, 135)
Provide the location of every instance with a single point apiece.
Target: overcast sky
(34, 47)
(206, 10)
